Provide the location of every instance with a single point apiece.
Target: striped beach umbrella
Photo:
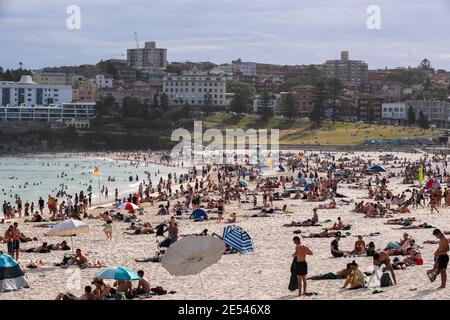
(237, 238)
(11, 276)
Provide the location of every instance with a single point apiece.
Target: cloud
(271, 31)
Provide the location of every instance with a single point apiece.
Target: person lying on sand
(398, 264)
(59, 246)
(35, 218)
(330, 205)
(35, 265)
(24, 238)
(307, 223)
(80, 260)
(343, 274)
(401, 221)
(420, 226)
(39, 249)
(87, 295)
(140, 230)
(323, 234)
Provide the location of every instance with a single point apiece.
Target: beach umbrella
(376, 168)
(11, 275)
(69, 228)
(118, 273)
(243, 183)
(192, 254)
(128, 206)
(237, 238)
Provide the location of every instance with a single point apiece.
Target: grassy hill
(301, 132)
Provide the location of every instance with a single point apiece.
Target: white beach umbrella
(69, 228)
(191, 255)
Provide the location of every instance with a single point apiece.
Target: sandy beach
(262, 274)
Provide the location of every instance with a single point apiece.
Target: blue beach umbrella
(118, 273)
(11, 276)
(244, 183)
(237, 238)
(198, 214)
(376, 168)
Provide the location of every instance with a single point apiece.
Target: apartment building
(192, 87)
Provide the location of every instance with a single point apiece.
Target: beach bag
(385, 280)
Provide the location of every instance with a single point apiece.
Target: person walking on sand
(433, 204)
(441, 259)
(301, 251)
(16, 241)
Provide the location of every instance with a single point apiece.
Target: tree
(411, 116)
(334, 89)
(164, 101)
(112, 70)
(244, 95)
(290, 109)
(156, 101)
(105, 106)
(425, 64)
(320, 97)
(208, 104)
(265, 108)
(427, 84)
(290, 84)
(133, 108)
(423, 121)
(238, 104)
(370, 115)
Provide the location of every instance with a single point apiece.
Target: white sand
(263, 274)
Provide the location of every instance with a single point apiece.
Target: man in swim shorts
(301, 251)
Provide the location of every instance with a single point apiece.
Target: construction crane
(136, 39)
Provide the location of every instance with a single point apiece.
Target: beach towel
(293, 283)
(394, 245)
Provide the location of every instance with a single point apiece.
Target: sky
(292, 32)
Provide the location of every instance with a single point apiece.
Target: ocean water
(34, 177)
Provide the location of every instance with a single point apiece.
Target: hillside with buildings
(146, 92)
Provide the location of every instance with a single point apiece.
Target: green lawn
(300, 132)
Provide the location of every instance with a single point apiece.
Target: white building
(394, 113)
(149, 56)
(28, 93)
(102, 81)
(75, 113)
(437, 112)
(193, 87)
(238, 69)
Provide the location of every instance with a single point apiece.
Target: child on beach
(108, 230)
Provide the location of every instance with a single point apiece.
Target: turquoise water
(31, 178)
